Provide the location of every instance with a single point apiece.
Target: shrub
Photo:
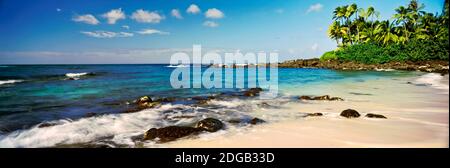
(369, 53)
(330, 55)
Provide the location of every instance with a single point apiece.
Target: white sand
(418, 116)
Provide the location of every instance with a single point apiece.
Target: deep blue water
(44, 93)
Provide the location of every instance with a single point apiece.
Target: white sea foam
(178, 66)
(120, 126)
(435, 80)
(387, 70)
(73, 75)
(2, 82)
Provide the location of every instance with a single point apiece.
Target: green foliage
(427, 50)
(371, 53)
(330, 55)
(411, 35)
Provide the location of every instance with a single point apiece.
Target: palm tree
(385, 33)
(352, 25)
(445, 14)
(371, 12)
(402, 18)
(444, 22)
(428, 27)
(335, 31)
(414, 12)
(338, 13)
(350, 11)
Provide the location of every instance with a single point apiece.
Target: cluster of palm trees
(353, 25)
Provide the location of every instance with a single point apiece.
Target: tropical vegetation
(412, 34)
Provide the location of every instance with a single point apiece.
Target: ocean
(65, 94)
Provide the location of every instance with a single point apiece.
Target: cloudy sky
(104, 31)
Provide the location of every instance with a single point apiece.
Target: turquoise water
(32, 94)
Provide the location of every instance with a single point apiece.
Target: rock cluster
(252, 92)
(324, 97)
(171, 133)
(441, 67)
(350, 113)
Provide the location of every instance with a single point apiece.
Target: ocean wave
(434, 80)
(178, 66)
(73, 75)
(76, 76)
(11, 81)
(386, 70)
(122, 129)
(4, 66)
(118, 127)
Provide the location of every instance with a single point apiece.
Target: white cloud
(114, 15)
(315, 46)
(58, 10)
(116, 56)
(193, 9)
(126, 27)
(210, 24)
(144, 16)
(125, 34)
(88, 19)
(106, 34)
(152, 31)
(214, 13)
(176, 13)
(315, 8)
(279, 11)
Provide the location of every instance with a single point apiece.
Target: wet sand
(417, 113)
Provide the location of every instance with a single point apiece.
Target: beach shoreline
(432, 66)
(415, 104)
(413, 123)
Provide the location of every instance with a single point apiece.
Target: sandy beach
(417, 115)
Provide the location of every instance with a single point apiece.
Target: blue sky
(105, 31)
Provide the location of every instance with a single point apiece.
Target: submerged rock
(165, 100)
(132, 110)
(235, 121)
(255, 121)
(314, 114)
(370, 115)
(350, 113)
(210, 124)
(145, 102)
(90, 114)
(183, 116)
(46, 124)
(252, 92)
(148, 105)
(203, 100)
(360, 94)
(169, 133)
(144, 99)
(324, 97)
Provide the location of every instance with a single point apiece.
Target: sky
(150, 31)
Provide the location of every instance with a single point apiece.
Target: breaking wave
(434, 80)
(2, 82)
